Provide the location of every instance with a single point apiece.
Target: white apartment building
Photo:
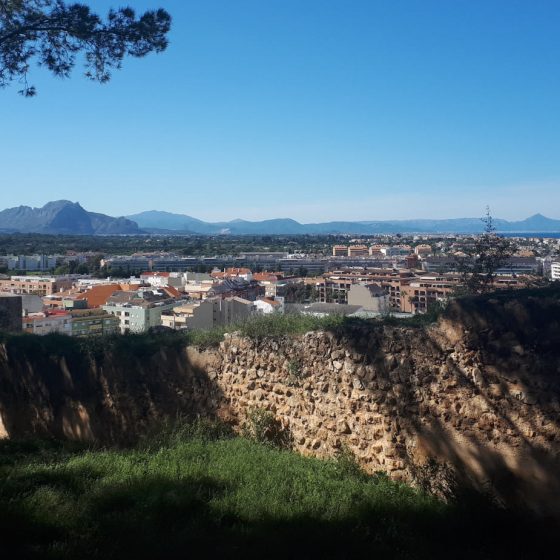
(46, 324)
(140, 310)
(555, 270)
(266, 306)
(28, 262)
(163, 279)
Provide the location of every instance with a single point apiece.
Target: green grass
(274, 326)
(191, 493)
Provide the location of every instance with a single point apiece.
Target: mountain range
(65, 217)
(158, 221)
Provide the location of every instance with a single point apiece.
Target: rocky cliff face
(477, 395)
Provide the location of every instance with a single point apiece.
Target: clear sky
(310, 109)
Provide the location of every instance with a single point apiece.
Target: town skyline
(317, 111)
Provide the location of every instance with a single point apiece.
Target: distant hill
(179, 223)
(63, 217)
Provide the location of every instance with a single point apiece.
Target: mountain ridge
(182, 223)
(70, 218)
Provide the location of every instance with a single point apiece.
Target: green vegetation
(191, 245)
(197, 490)
(270, 326)
(195, 245)
(263, 427)
(148, 343)
(486, 255)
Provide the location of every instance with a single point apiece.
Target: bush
(263, 427)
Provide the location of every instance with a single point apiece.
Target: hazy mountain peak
(63, 217)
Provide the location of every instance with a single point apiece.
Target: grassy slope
(233, 498)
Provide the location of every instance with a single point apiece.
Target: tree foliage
(489, 253)
(53, 33)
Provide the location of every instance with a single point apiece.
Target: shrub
(263, 427)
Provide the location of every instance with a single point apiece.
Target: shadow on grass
(73, 511)
(164, 518)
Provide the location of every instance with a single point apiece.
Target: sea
(553, 235)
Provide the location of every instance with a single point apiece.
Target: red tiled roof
(98, 295)
(265, 277)
(171, 291)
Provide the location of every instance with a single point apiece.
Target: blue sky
(310, 109)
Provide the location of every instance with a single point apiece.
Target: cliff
(473, 399)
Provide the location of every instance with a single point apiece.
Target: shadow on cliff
(101, 390)
(484, 415)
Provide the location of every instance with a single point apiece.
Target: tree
(53, 33)
(488, 253)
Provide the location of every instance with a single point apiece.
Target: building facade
(37, 285)
(140, 310)
(218, 312)
(93, 322)
(370, 297)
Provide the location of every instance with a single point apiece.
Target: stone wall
(478, 392)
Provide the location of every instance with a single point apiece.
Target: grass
(199, 493)
(270, 326)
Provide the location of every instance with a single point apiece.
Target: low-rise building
(218, 312)
(233, 272)
(423, 250)
(140, 310)
(98, 295)
(163, 279)
(520, 265)
(396, 251)
(34, 263)
(370, 297)
(358, 251)
(236, 287)
(198, 290)
(419, 293)
(38, 285)
(340, 250)
(92, 322)
(266, 305)
(47, 323)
